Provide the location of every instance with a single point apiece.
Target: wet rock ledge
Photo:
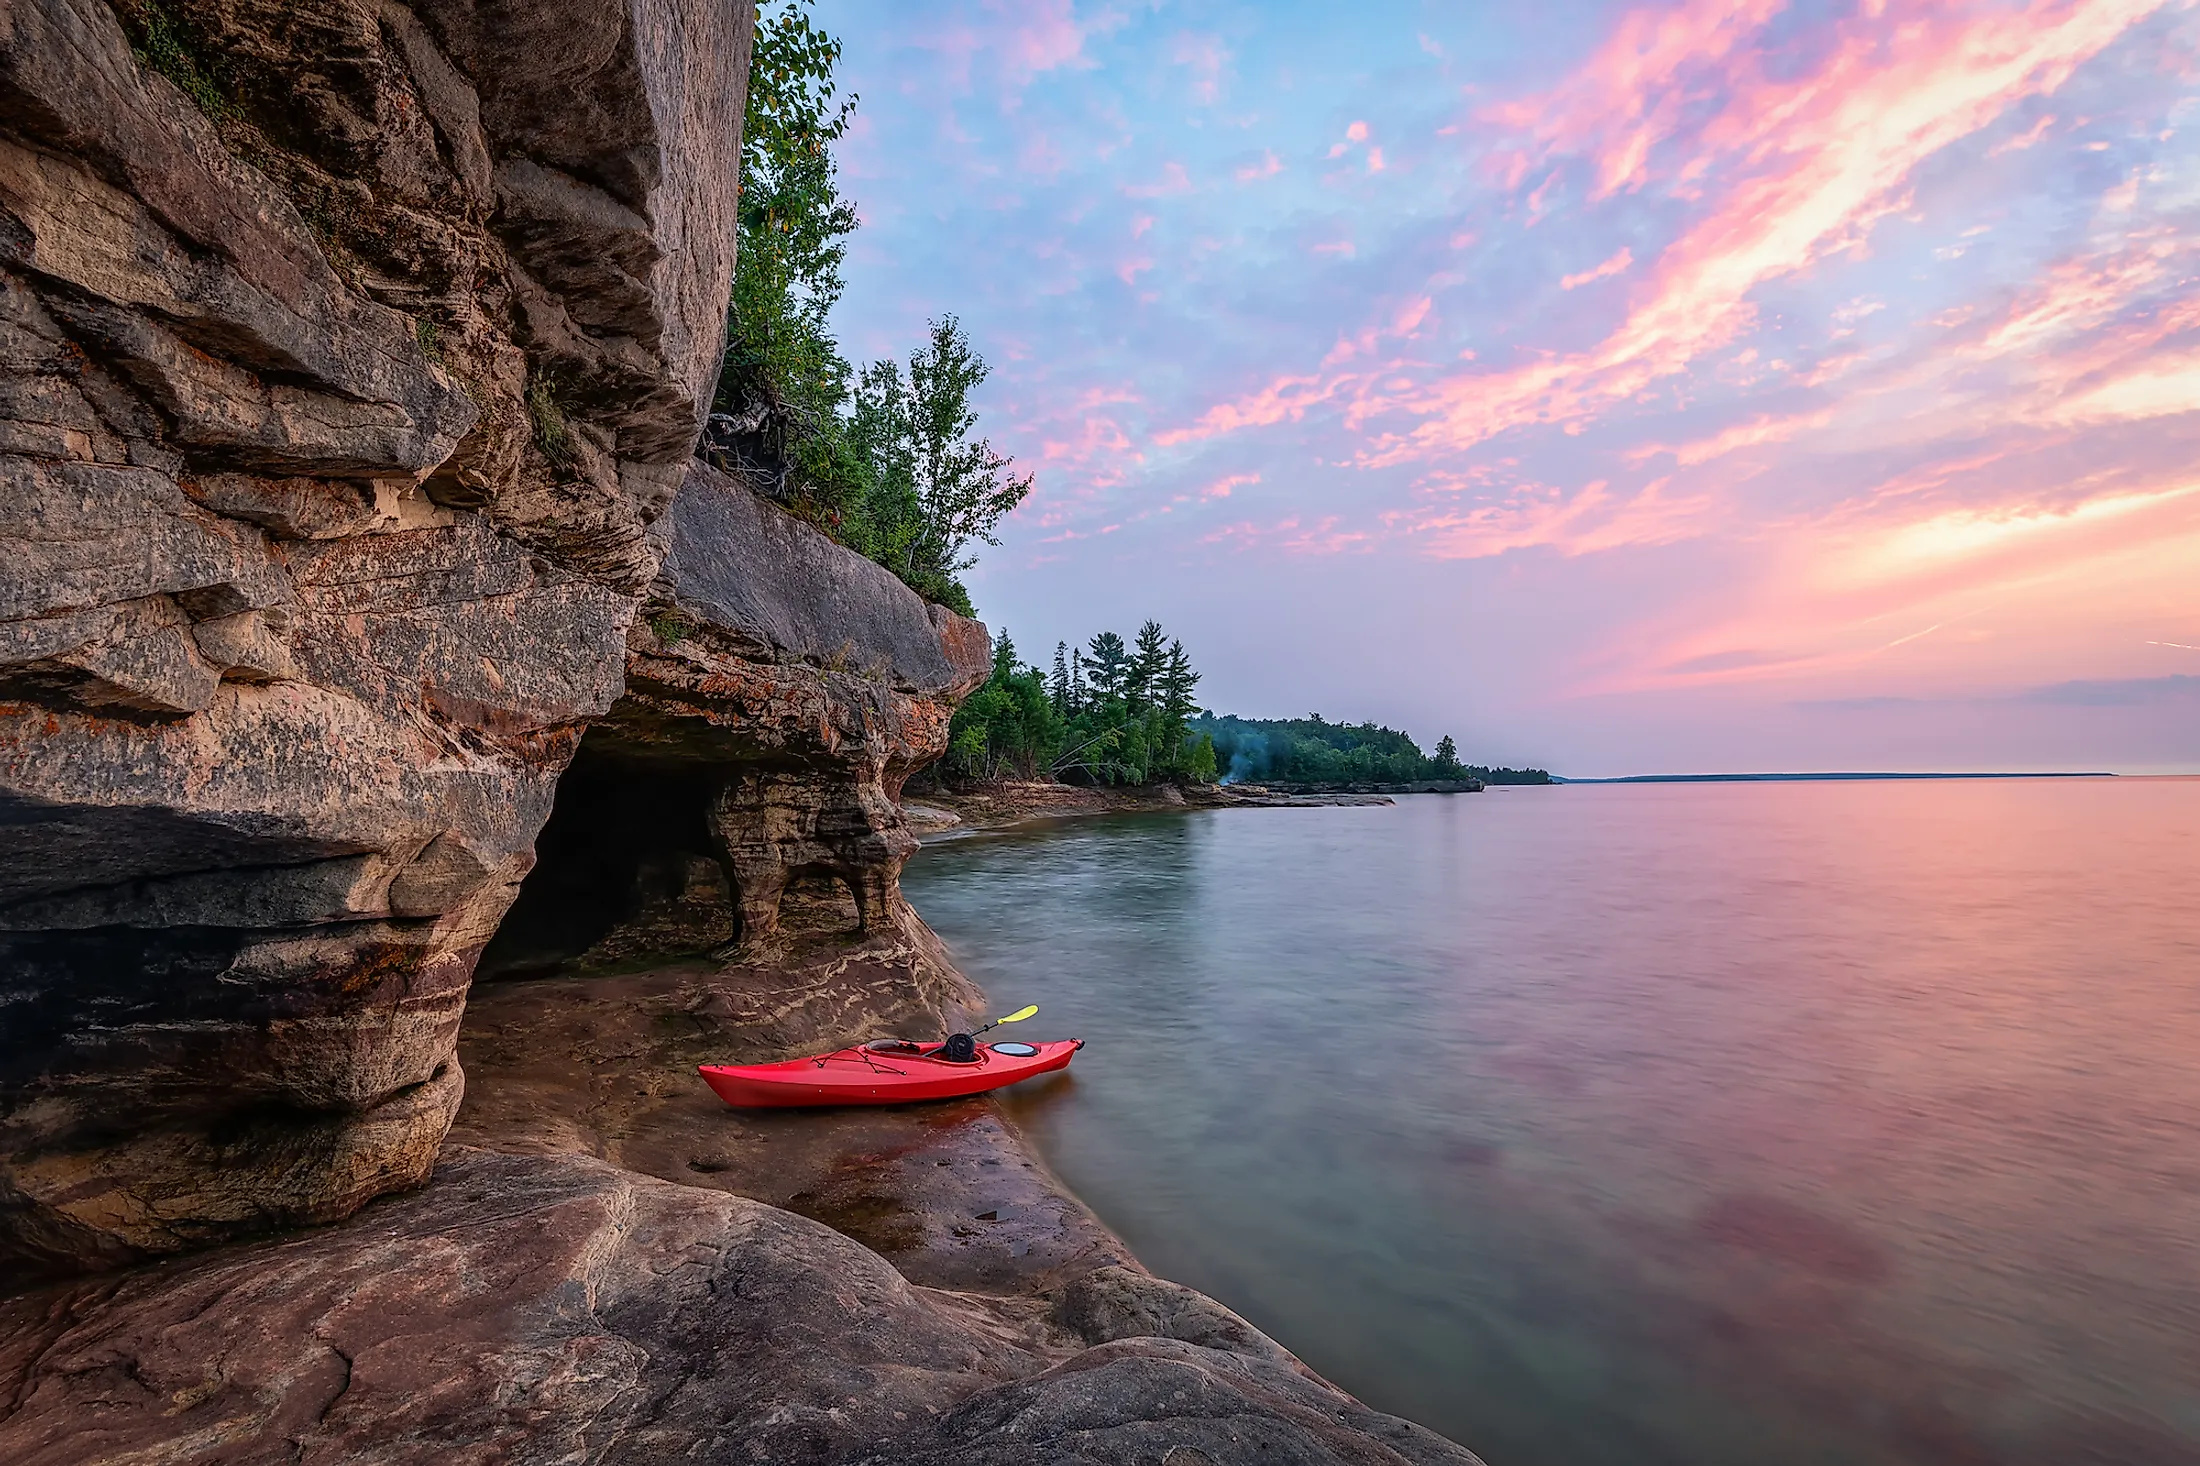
(412, 762)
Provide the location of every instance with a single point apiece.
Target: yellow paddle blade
(1019, 1015)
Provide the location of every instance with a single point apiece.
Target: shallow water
(1810, 1123)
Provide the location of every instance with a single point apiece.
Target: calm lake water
(1798, 1123)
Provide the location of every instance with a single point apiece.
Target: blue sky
(1621, 389)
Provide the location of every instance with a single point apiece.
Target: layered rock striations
(739, 798)
(347, 353)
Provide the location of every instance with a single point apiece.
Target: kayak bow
(873, 1074)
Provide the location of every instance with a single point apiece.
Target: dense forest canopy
(886, 459)
(1108, 712)
(1122, 712)
(1313, 750)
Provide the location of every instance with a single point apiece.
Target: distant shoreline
(1816, 778)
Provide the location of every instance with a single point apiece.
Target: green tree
(963, 485)
(1313, 750)
(928, 486)
(1176, 681)
(1108, 663)
(1058, 685)
(1008, 726)
(889, 462)
(782, 381)
(1143, 677)
(1199, 761)
(1082, 722)
(884, 509)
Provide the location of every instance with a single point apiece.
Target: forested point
(1115, 712)
(1109, 712)
(1313, 750)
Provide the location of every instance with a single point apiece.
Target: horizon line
(1831, 775)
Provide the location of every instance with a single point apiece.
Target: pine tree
(1143, 679)
(1177, 681)
(1110, 662)
(1058, 687)
(1173, 682)
(1447, 757)
(1076, 680)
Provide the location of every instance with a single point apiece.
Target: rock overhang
(303, 610)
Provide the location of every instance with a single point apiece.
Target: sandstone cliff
(367, 628)
(337, 405)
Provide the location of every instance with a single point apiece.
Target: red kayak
(886, 1073)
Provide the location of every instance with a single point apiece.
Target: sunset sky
(1621, 389)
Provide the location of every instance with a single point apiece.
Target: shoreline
(1008, 803)
(951, 1193)
(831, 1286)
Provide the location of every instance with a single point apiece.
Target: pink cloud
(1292, 536)
(1268, 167)
(1586, 522)
(1286, 399)
(1204, 57)
(2025, 139)
(1538, 200)
(1937, 593)
(1605, 271)
(1764, 428)
(2085, 291)
(1834, 149)
(1085, 446)
(2106, 335)
(1221, 487)
(1628, 97)
(2163, 386)
(1039, 157)
(1044, 36)
(1173, 180)
(1027, 40)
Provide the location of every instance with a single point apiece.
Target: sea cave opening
(625, 869)
(630, 869)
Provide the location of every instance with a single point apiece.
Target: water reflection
(1699, 1124)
